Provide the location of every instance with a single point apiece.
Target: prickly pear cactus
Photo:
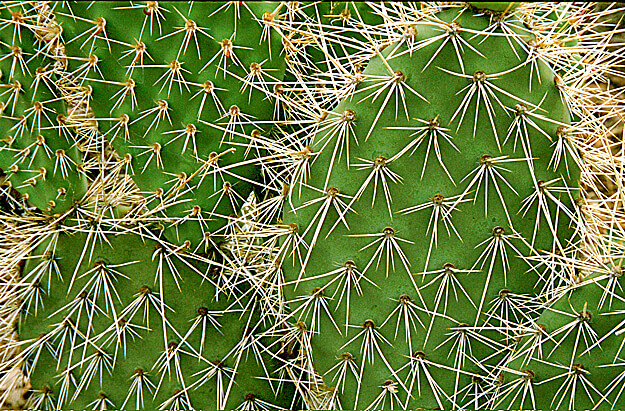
(40, 157)
(435, 193)
(181, 91)
(570, 360)
(139, 325)
(158, 115)
(245, 205)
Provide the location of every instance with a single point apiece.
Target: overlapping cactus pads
(266, 205)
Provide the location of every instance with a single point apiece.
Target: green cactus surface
(98, 328)
(177, 90)
(571, 360)
(123, 318)
(311, 205)
(425, 209)
(39, 155)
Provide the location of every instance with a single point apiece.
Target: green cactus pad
(39, 152)
(215, 351)
(181, 90)
(573, 363)
(466, 177)
(285, 205)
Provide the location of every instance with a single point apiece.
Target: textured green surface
(69, 274)
(377, 311)
(496, 6)
(129, 264)
(444, 93)
(185, 176)
(583, 327)
(32, 139)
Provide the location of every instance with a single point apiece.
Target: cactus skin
(580, 342)
(84, 238)
(186, 179)
(341, 247)
(247, 271)
(495, 6)
(132, 264)
(38, 154)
